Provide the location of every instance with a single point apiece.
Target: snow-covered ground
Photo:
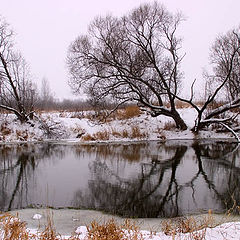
(226, 231)
(79, 127)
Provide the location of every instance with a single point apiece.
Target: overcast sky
(45, 28)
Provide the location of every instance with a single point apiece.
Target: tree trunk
(180, 124)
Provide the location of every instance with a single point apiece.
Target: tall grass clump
(136, 133)
(13, 229)
(128, 112)
(112, 231)
(196, 228)
(100, 135)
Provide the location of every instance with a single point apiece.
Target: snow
(224, 231)
(70, 126)
(37, 216)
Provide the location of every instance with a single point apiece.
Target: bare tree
(132, 58)
(47, 100)
(225, 59)
(17, 92)
(221, 53)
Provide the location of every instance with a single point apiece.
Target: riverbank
(84, 127)
(68, 222)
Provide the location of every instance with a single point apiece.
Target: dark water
(135, 180)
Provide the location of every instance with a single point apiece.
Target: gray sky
(46, 28)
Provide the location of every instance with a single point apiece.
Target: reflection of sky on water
(171, 179)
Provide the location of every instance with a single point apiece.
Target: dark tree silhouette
(133, 58)
(17, 93)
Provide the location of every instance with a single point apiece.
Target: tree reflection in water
(135, 180)
(17, 165)
(157, 189)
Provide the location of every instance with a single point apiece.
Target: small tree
(133, 58)
(46, 100)
(17, 92)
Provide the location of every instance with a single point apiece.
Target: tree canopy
(132, 58)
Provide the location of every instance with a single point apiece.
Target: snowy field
(82, 127)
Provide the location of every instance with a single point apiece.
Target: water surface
(132, 180)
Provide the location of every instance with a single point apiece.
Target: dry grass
(103, 136)
(13, 229)
(132, 111)
(133, 133)
(77, 130)
(116, 133)
(88, 137)
(22, 135)
(125, 113)
(200, 103)
(125, 134)
(160, 133)
(112, 231)
(168, 126)
(4, 130)
(79, 115)
(49, 233)
(195, 228)
(180, 104)
(136, 133)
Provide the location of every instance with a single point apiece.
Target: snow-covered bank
(225, 231)
(76, 127)
(143, 228)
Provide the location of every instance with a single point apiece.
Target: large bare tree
(132, 58)
(222, 84)
(17, 93)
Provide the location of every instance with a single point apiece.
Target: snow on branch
(233, 104)
(231, 130)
